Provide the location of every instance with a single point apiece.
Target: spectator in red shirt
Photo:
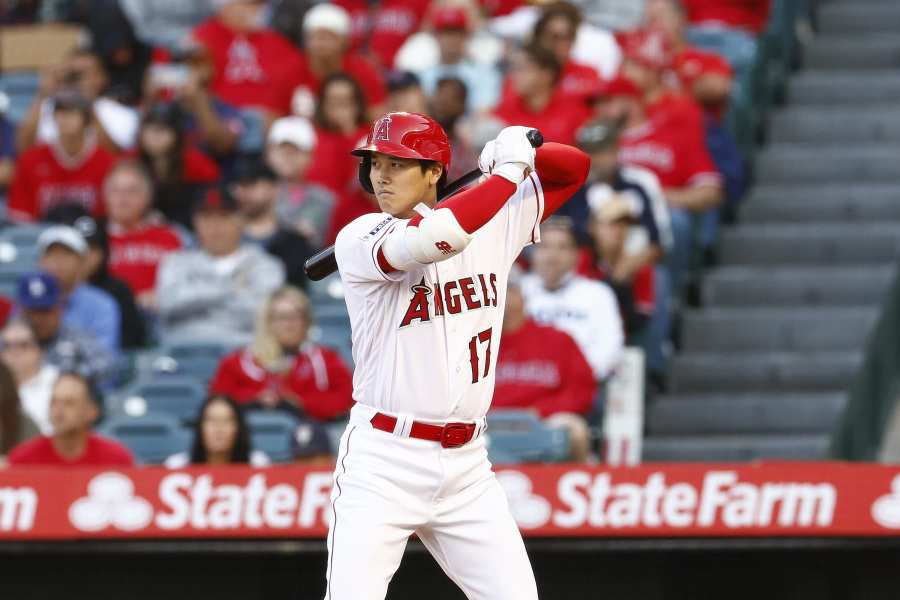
(69, 171)
(340, 121)
(541, 368)
(704, 75)
(555, 30)
(137, 241)
(383, 27)
(749, 15)
(303, 205)
(179, 170)
(255, 67)
(74, 406)
(282, 369)
(326, 30)
(607, 259)
(537, 101)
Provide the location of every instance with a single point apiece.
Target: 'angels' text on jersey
(452, 297)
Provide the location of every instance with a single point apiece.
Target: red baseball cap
(450, 17)
(650, 47)
(617, 86)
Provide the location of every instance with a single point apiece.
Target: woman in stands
(282, 369)
(221, 437)
(32, 378)
(15, 425)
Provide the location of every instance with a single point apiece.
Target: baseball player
(425, 288)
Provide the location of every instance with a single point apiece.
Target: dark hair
(240, 452)
(171, 116)
(564, 224)
(93, 392)
(358, 98)
(565, 10)
(544, 59)
(10, 407)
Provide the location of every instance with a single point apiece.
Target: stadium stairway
(765, 363)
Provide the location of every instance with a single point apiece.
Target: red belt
(451, 435)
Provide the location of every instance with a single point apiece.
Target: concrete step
(817, 244)
(852, 87)
(794, 329)
(848, 51)
(807, 412)
(831, 208)
(762, 371)
(833, 162)
(859, 17)
(877, 123)
(735, 448)
(797, 286)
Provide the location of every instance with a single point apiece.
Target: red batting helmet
(404, 135)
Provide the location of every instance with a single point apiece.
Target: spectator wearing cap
(302, 204)
(448, 107)
(326, 31)
(536, 101)
(556, 295)
(256, 191)
(212, 292)
(678, 157)
(69, 170)
(253, 66)
(452, 32)
(383, 28)
(63, 252)
(32, 375)
(221, 437)
(40, 299)
(405, 93)
(114, 124)
(607, 259)
(541, 368)
(340, 123)
(138, 240)
(74, 408)
(282, 368)
(133, 330)
(555, 30)
(177, 168)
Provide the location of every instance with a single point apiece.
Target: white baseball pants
(387, 487)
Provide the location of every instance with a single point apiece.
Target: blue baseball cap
(38, 291)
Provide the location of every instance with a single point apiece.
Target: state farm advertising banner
(775, 499)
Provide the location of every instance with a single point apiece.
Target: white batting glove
(486, 158)
(513, 154)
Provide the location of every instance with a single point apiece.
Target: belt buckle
(454, 435)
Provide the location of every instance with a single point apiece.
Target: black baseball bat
(322, 264)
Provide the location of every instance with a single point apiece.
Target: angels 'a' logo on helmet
(382, 130)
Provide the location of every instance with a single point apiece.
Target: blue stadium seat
(518, 437)
(183, 349)
(151, 438)
(201, 368)
(180, 397)
(272, 432)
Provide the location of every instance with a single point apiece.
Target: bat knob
(535, 137)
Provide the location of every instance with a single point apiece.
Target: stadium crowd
(188, 158)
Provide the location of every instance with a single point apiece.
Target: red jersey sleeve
(337, 397)
(22, 205)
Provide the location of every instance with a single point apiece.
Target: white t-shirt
(585, 309)
(34, 395)
(425, 341)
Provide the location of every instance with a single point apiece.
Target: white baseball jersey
(425, 341)
(585, 309)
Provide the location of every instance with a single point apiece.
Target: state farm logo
(110, 502)
(529, 510)
(886, 510)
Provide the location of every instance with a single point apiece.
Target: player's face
(555, 256)
(219, 428)
(401, 183)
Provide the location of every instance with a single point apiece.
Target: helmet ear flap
(365, 167)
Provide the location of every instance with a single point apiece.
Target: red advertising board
(665, 500)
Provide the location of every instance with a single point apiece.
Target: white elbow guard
(437, 237)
